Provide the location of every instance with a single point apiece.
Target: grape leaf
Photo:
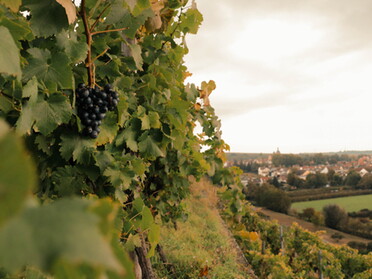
(76, 147)
(138, 6)
(145, 121)
(49, 67)
(154, 238)
(68, 181)
(76, 50)
(69, 8)
(9, 54)
(148, 147)
(18, 28)
(46, 23)
(154, 120)
(191, 21)
(136, 52)
(147, 218)
(30, 89)
(16, 169)
(129, 136)
(109, 129)
(118, 178)
(46, 115)
(6, 105)
(65, 229)
(13, 5)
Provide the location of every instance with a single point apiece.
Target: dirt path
(287, 220)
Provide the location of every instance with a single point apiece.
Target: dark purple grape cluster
(92, 104)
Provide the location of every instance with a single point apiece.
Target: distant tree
(335, 217)
(274, 181)
(311, 215)
(294, 180)
(272, 198)
(365, 182)
(319, 159)
(352, 178)
(316, 180)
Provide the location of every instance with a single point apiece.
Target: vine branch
(88, 34)
(107, 31)
(98, 17)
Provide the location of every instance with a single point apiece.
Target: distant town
(263, 168)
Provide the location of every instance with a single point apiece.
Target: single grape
(100, 116)
(96, 110)
(107, 87)
(94, 134)
(85, 93)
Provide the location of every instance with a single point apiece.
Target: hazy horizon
(289, 74)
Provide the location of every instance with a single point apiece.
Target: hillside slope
(202, 246)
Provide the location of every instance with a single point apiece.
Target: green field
(353, 203)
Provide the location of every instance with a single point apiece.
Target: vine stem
(110, 30)
(88, 34)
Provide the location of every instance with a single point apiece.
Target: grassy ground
(200, 243)
(354, 203)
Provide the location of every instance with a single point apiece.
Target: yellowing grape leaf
(70, 9)
(12, 4)
(155, 22)
(206, 90)
(253, 236)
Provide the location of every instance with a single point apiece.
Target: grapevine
(97, 93)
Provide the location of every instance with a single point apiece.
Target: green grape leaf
(19, 29)
(154, 233)
(65, 229)
(123, 110)
(147, 218)
(154, 238)
(30, 89)
(136, 52)
(17, 173)
(50, 67)
(78, 148)
(46, 23)
(129, 136)
(138, 204)
(46, 114)
(43, 144)
(148, 147)
(138, 6)
(132, 242)
(109, 129)
(68, 181)
(191, 21)
(145, 121)
(154, 120)
(9, 54)
(118, 178)
(13, 5)
(104, 159)
(76, 50)
(6, 105)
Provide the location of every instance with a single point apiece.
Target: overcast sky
(293, 74)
